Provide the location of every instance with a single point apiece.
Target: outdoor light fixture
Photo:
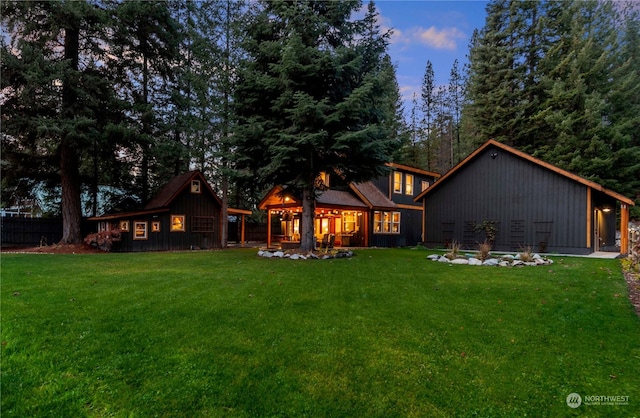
(494, 155)
(606, 210)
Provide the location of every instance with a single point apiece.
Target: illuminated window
(425, 185)
(324, 178)
(195, 186)
(139, 230)
(178, 223)
(408, 184)
(155, 226)
(124, 226)
(397, 182)
(386, 222)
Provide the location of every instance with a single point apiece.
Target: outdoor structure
(379, 213)
(185, 214)
(501, 194)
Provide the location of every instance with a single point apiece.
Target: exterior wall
(410, 219)
(188, 204)
(532, 206)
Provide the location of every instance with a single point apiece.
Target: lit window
(155, 226)
(425, 185)
(408, 184)
(139, 230)
(397, 182)
(124, 226)
(195, 186)
(177, 223)
(386, 222)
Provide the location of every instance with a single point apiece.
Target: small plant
(104, 239)
(484, 250)
(490, 229)
(526, 254)
(454, 250)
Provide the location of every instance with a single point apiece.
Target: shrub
(104, 239)
(484, 250)
(454, 250)
(526, 254)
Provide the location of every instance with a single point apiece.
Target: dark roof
(170, 190)
(339, 198)
(372, 196)
(527, 157)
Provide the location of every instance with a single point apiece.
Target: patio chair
(327, 242)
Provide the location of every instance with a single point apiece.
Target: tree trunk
(71, 207)
(307, 237)
(69, 171)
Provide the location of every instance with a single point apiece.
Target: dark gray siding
(188, 204)
(533, 206)
(410, 231)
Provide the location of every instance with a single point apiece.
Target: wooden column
(268, 228)
(242, 231)
(624, 228)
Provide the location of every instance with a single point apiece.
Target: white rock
(530, 263)
(474, 262)
(443, 259)
(508, 257)
(490, 262)
(267, 254)
(294, 256)
(278, 254)
(504, 264)
(260, 253)
(539, 261)
(433, 257)
(459, 261)
(536, 256)
(518, 263)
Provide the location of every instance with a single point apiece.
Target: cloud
(445, 38)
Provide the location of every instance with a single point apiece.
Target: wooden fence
(18, 231)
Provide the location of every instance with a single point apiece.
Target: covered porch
(338, 214)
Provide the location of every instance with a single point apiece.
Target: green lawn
(386, 333)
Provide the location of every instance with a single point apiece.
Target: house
(380, 213)
(520, 201)
(185, 214)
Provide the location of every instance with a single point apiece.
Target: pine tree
(313, 97)
(58, 97)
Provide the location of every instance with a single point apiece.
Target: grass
(386, 333)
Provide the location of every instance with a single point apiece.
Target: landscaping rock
(504, 264)
(490, 262)
(443, 260)
(279, 254)
(433, 257)
(459, 261)
(474, 262)
(517, 262)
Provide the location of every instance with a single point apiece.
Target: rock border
(507, 260)
(295, 255)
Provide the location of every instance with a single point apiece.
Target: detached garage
(516, 201)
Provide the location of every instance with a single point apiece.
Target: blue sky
(438, 31)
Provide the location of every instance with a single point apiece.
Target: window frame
(155, 226)
(397, 182)
(386, 222)
(144, 230)
(209, 224)
(172, 227)
(409, 181)
(124, 226)
(196, 186)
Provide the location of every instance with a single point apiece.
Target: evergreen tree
(57, 98)
(429, 106)
(313, 97)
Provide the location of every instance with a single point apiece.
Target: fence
(29, 231)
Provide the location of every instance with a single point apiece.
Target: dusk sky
(423, 30)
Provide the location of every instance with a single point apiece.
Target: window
(425, 185)
(349, 222)
(397, 182)
(195, 186)
(139, 230)
(386, 222)
(124, 226)
(155, 226)
(324, 178)
(202, 223)
(408, 184)
(178, 223)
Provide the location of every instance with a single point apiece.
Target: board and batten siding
(532, 206)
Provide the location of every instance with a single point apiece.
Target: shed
(185, 214)
(520, 201)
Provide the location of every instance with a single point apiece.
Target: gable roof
(414, 170)
(372, 196)
(162, 200)
(527, 157)
(175, 186)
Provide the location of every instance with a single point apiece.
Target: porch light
(606, 210)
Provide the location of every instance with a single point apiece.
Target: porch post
(268, 228)
(624, 228)
(242, 231)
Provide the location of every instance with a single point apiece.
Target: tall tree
(54, 90)
(313, 97)
(428, 93)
